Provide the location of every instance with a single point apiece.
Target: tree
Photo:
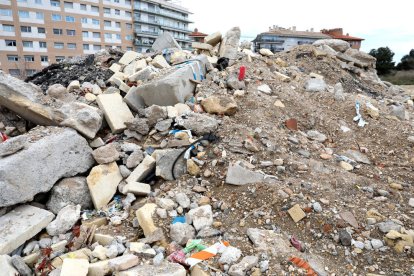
(407, 62)
(384, 57)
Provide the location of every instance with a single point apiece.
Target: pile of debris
(217, 162)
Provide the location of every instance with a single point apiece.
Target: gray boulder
(315, 85)
(336, 44)
(66, 218)
(198, 123)
(230, 43)
(181, 233)
(51, 154)
(12, 145)
(70, 191)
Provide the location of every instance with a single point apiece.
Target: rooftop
(196, 33)
(291, 32)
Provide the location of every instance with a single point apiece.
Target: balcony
(138, 42)
(175, 16)
(174, 28)
(146, 10)
(185, 40)
(149, 22)
(147, 33)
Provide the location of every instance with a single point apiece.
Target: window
(57, 31)
(116, 1)
(117, 12)
(96, 35)
(108, 35)
(30, 72)
(129, 48)
(42, 44)
(84, 20)
(94, 8)
(14, 72)
(23, 14)
(128, 2)
(41, 30)
(107, 11)
(25, 29)
(44, 58)
(59, 58)
(97, 47)
(5, 12)
(58, 45)
(71, 46)
(29, 58)
(117, 24)
(83, 7)
(12, 58)
(95, 21)
(54, 3)
(107, 23)
(40, 15)
(86, 46)
(68, 5)
(28, 44)
(128, 37)
(85, 34)
(71, 32)
(8, 28)
(118, 36)
(128, 14)
(38, 2)
(56, 17)
(128, 26)
(70, 18)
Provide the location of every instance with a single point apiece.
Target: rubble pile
(220, 161)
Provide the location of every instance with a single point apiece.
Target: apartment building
(154, 17)
(338, 33)
(36, 33)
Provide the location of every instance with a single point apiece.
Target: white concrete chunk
(202, 46)
(74, 267)
(103, 181)
(128, 57)
(160, 62)
(115, 67)
(116, 111)
(20, 225)
(142, 171)
(139, 189)
(7, 268)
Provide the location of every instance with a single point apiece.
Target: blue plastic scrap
(179, 220)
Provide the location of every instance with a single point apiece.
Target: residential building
(196, 36)
(154, 17)
(338, 33)
(279, 39)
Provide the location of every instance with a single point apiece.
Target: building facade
(36, 33)
(154, 17)
(338, 33)
(197, 36)
(279, 39)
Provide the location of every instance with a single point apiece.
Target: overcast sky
(380, 23)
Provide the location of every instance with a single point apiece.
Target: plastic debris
(296, 244)
(194, 244)
(358, 118)
(303, 264)
(207, 253)
(178, 257)
(242, 73)
(3, 137)
(340, 158)
(175, 131)
(179, 220)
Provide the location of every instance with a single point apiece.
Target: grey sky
(380, 23)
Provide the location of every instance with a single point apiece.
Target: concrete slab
(116, 111)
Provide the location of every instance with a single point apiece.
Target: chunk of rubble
(74, 267)
(20, 225)
(202, 217)
(202, 46)
(12, 145)
(6, 265)
(128, 57)
(164, 269)
(336, 44)
(106, 154)
(199, 124)
(230, 43)
(41, 162)
(213, 39)
(315, 85)
(28, 101)
(241, 268)
(239, 175)
(65, 220)
(164, 163)
(143, 170)
(115, 110)
(103, 181)
(145, 220)
(165, 41)
(220, 105)
(160, 62)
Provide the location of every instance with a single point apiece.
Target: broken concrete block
(315, 85)
(238, 175)
(74, 267)
(70, 191)
(282, 77)
(20, 225)
(96, 143)
(136, 188)
(21, 266)
(103, 182)
(160, 62)
(65, 220)
(174, 87)
(99, 268)
(143, 74)
(57, 91)
(106, 154)
(116, 111)
(115, 67)
(265, 52)
(221, 105)
(142, 171)
(12, 145)
(165, 41)
(59, 247)
(6, 266)
(139, 65)
(124, 262)
(198, 123)
(230, 44)
(213, 39)
(164, 162)
(164, 269)
(144, 216)
(181, 232)
(41, 162)
(336, 44)
(133, 100)
(243, 266)
(83, 253)
(103, 239)
(202, 46)
(202, 217)
(128, 57)
(296, 213)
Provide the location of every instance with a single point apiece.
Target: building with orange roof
(338, 33)
(196, 36)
